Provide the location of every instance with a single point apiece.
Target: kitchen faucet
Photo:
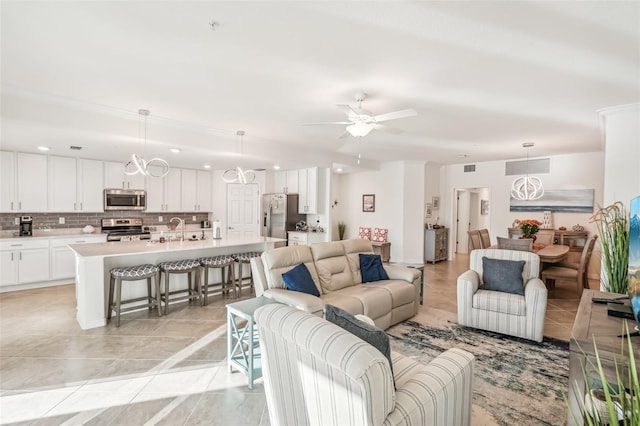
(180, 223)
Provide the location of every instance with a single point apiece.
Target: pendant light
(156, 167)
(238, 175)
(527, 188)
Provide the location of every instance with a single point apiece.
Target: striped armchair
(506, 313)
(316, 373)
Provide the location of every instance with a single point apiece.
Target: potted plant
(613, 228)
(341, 228)
(529, 227)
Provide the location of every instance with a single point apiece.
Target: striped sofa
(335, 269)
(315, 373)
(506, 313)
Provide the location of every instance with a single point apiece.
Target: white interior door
(462, 237)
(242, 210)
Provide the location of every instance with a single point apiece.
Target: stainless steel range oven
(124, 230)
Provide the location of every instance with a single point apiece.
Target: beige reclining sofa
(335, 269)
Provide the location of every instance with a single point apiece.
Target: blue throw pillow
(371, 268)
(371, 334)
(299, 279)
(503, 275)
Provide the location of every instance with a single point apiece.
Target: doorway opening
(470, 212)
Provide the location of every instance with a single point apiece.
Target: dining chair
(525, 244)
(474, 240)
(545, 236)
(485, 239)
(577, 272)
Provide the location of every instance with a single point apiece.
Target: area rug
(517, 381)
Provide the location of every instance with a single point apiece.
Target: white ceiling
(484, 77)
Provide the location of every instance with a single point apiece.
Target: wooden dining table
(551, 253)
(548, 253)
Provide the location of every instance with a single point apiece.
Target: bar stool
(242, 259)
(224, 263)
(133, 273)
(186, 266)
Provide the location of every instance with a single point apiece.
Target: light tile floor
(169, 370)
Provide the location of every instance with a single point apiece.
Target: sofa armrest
(401, 273)
(535, 295)
(302, 301)
(468, 284)
(439, 393)
(257, 273)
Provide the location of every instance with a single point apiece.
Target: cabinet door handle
(12, 208)
(80, 206)
(74, 207)
(15, 245)
(12, 256)
(20, 255)
(20, 205)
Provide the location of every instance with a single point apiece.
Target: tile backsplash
(80, 220)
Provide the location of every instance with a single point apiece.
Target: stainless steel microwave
(125, 199)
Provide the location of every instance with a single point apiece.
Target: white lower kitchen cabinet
(24, 261)
(63, 261)
(297, 238)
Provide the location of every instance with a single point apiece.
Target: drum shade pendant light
(527, 188)
(238, 175)
(156, 167)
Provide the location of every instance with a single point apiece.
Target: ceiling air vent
(541, 165)
(77, 148)
(468, 168)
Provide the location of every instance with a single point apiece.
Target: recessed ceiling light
(462, 156)
(44, 148)
(174, 150)
(207, 166)
(75, 148)
(276, 167)
(339, 170)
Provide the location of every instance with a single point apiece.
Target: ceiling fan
(361, 121)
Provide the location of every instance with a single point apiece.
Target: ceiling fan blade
(387, 129)
(326, 122)
(351, 113)
(396, 114)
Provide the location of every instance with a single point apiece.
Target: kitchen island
(94, 261)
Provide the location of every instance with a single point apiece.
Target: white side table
(243, 346)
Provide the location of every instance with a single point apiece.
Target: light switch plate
(193, 218)
(159, 218)
(16, 221)
(61, 220)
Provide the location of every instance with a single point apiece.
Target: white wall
(622, 153)
(431, 187)
(399, 191)
(574, 171)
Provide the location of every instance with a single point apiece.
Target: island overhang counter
(94, 261)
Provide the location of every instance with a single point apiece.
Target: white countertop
(117, 248)
(39, 234)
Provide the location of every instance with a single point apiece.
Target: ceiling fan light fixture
(359, 129)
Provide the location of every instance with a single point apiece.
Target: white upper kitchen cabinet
(8, 197)
(31, 179)
(285, 181)
(90, 185)
(308, 190)
(196, 190)
(75, 185)
(163, 194)
(114, 177)
(62, 184)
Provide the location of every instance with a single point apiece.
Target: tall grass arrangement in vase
(341, 228)
(613, 227)
(612, 401)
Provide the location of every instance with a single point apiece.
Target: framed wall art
(436, 203)
(484, 207)
(368, 202)
(428, 210)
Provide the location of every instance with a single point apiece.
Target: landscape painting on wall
(557, 200)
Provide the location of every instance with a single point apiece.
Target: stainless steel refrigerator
(279, 215)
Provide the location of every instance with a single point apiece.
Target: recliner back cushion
(352, 249)
(332, 266)
(278, 261)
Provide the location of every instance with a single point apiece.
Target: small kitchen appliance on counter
(205, 224)
(124, 230)
(26, 226)
(216, 230)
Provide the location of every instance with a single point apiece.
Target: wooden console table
(592, 322)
